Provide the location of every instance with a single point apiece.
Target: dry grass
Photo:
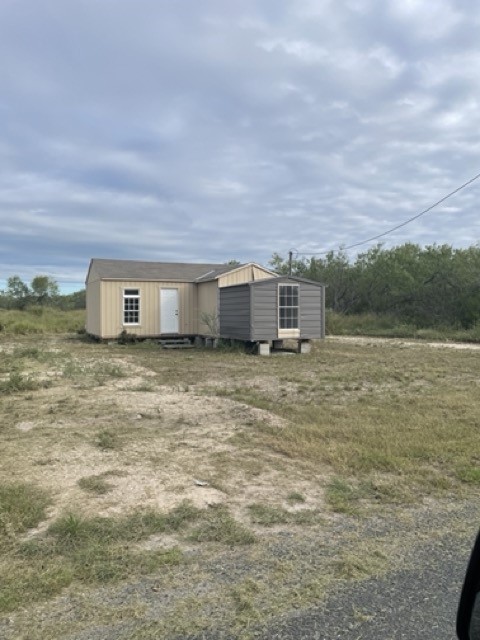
(41, 320)
(136, 458)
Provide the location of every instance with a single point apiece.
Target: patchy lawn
(185, 490)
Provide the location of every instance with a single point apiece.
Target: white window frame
(288, 332)
(127, 296)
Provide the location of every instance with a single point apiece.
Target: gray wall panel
(264, 311)
(234, 312)
(311, 311)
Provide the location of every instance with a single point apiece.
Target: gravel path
(409, 604)
(467, 346)
(414, 603)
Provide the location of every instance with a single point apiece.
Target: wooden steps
(175, 343)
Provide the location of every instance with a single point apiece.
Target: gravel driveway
(411, 604)
(416, 600)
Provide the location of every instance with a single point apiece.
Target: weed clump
(127, 338)
(295, 498)
(94, 550)
(95, 484)
(22, 506)
(469, 475)
(108, 441)
(219, 526)
(18, 382)
(268, 515)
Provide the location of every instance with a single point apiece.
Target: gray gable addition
(251, 311)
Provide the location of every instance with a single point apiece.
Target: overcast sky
(209, 130)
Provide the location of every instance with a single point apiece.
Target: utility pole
(290, 254)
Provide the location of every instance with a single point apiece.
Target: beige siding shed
(112, 300)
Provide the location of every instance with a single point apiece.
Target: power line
(402, 224)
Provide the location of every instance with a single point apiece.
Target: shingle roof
(173, 271)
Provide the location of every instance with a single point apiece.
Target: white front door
(168, 310)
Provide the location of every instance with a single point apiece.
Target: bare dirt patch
(172, 446)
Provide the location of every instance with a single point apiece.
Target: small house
(153, 299)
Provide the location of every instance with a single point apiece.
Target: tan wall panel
(239, 276)
(261, 274)
(93, 324)
(245, 274)
(207, 298)
(112, 307)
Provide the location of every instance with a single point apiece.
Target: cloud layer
(154, 130)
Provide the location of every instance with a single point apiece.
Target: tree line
(42, 291)
(427, 286)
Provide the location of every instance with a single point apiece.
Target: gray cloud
(172, 131)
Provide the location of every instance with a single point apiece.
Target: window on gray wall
(131, 306)
(288, 306)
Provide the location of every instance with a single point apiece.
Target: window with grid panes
(131, 306)
(288, 306)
